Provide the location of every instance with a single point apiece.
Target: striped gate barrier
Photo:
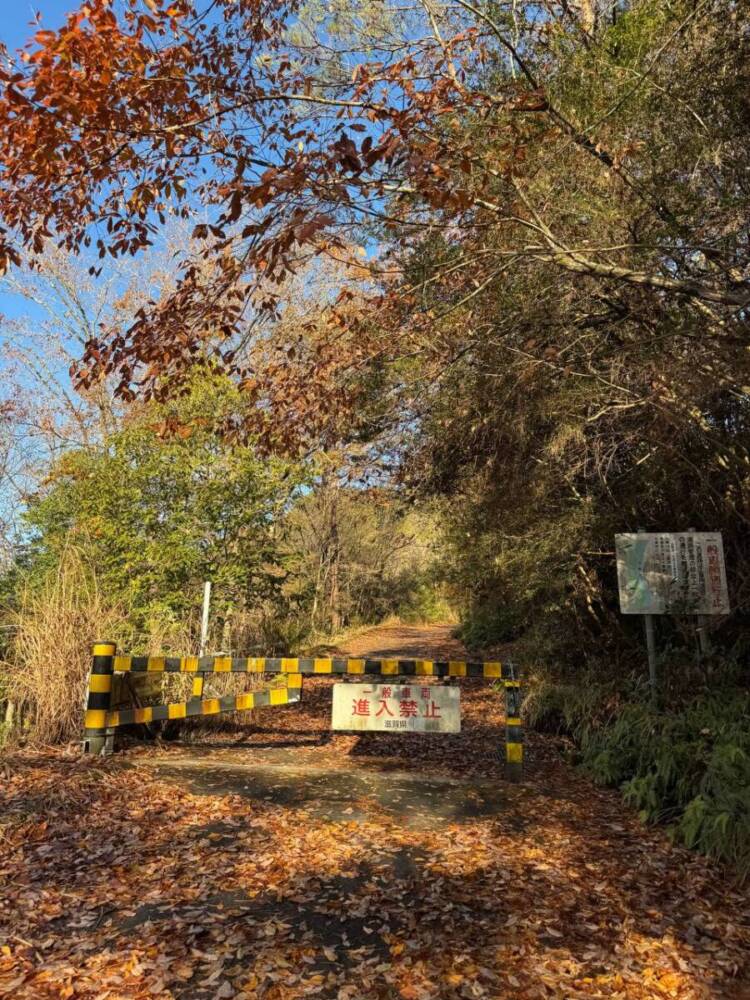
(101, 721)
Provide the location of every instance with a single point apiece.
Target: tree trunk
(334, 594)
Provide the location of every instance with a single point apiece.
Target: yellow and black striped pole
(513, 728)
(95, 736)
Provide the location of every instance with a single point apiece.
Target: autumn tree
(225, 108)
(357, 555)
(55, 307)
(553, 204)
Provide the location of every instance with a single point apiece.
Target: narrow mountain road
(429, 642)
(284, 861)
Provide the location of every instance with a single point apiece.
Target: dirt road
(287, 862)
(430, 642)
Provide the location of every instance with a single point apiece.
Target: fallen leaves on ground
(117, 883)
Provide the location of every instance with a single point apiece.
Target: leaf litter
(120, 883)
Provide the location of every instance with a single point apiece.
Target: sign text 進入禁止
(404, 708)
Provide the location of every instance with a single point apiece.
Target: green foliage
(688, 767)
(168, 501)
(165, 504)
(424, 600)
(571, 410)
(487, 626)
(358, 556)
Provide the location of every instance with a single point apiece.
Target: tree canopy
(540, 146)
(543, 206)
(157, 513)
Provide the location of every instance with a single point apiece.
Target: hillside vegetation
(448, 295)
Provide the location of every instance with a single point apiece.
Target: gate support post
(513, 728)
(97, 739)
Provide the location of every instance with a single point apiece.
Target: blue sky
(16, 15)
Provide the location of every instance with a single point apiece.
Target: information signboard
(404, 708)
(672, 573)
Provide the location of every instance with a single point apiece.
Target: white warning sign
(404, 708)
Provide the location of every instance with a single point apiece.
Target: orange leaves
(172, 428)
(212, 118)
(235, 207)
(410, 992)
(45, 37)
(227, 874)
(136, 112)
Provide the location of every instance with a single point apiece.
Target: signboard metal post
(648, 624)
(198, 680)
(704, 645)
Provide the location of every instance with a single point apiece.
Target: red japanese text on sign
(431, 708)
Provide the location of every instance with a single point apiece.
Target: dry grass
(53, 630)
(46, 674)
